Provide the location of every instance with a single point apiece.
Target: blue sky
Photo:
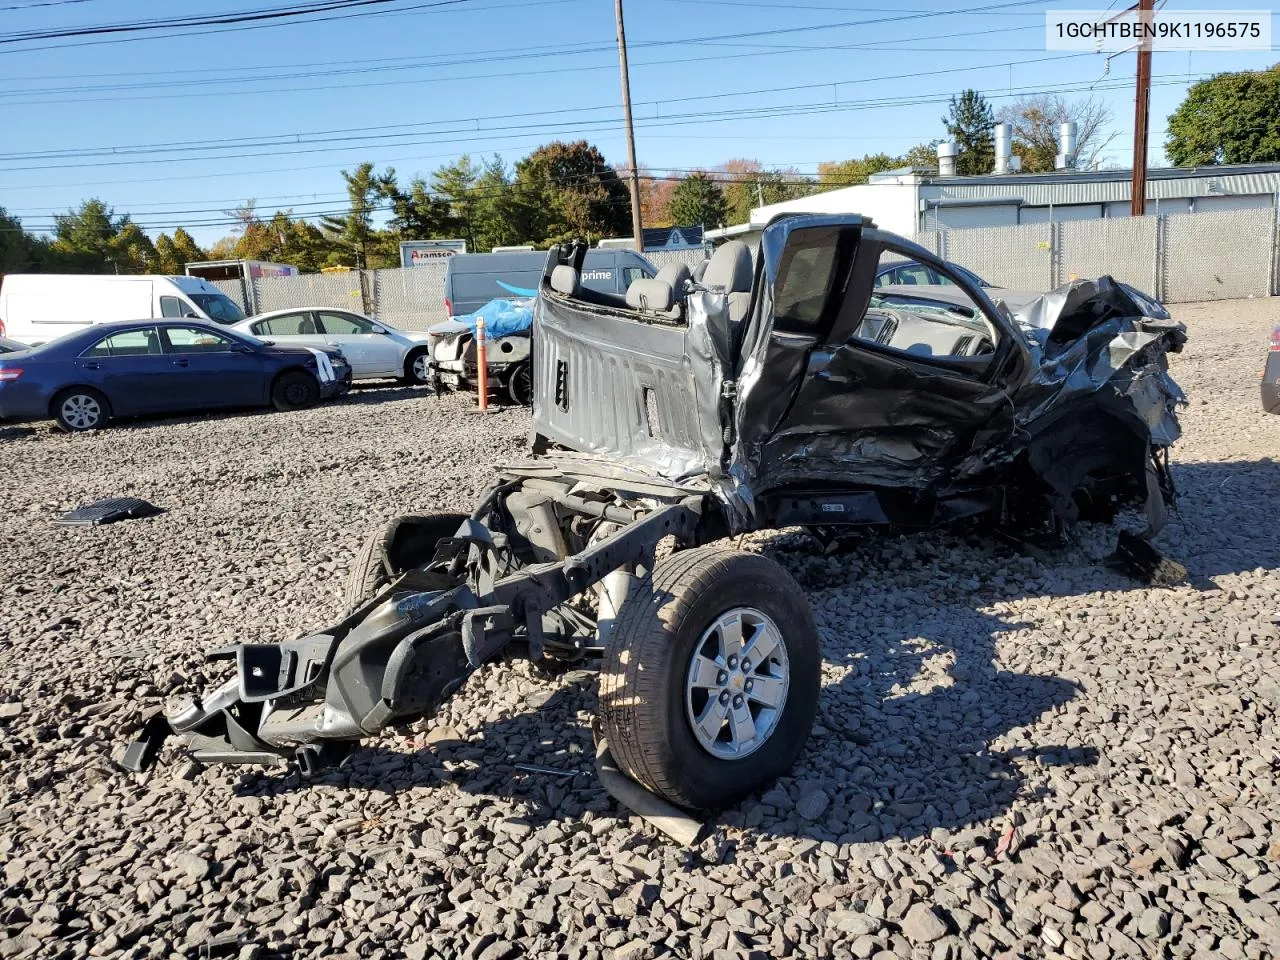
(789, 84)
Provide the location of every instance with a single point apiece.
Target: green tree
(698, 201)
(366, 192)
(923, 156)
(502, 216)
(20, 251)
(417, 214)
(568, 190)
(82, 237)
(844, 173)
(132, 251)
(455, 183)
(1229, 118)
(174, 253)
(186, 248)
(969, 121)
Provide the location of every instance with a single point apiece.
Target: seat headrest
(650, 296)
(730, 268)
(564, 279)
(677, 276)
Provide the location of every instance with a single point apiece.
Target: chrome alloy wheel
(736, 685)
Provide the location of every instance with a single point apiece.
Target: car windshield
(245, 336)
(218, 307)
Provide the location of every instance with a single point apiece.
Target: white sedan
(374, 349)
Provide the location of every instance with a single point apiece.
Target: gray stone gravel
(1013, 757)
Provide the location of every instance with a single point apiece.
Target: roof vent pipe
(1004, 146)
(1066, 159)
(947, 159)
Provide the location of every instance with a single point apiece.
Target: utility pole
(1141, 115)
(636, 226)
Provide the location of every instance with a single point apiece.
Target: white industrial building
(912, 200)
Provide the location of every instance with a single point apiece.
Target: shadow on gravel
(888, 761)
(549, 735)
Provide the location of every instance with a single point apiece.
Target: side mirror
(378, 329)
(191, 315)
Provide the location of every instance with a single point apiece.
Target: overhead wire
(347, 133)
(371, 13)
(670, 175)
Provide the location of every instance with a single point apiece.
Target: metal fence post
(1055, 255)
(1157, 268)
(368, 293)
(1275, 247)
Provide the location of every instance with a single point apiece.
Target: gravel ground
(1014, 757)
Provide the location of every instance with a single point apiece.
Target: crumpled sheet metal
(1118, 349)
(1083, 339)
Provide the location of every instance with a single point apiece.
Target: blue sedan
(111, 370)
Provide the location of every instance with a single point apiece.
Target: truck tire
(683, 714)
(404, 543)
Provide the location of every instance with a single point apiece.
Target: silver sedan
(376, 350)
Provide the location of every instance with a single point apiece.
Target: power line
(759, 50)
(43, 3)
(413, 10)
(671, 174)
(748, 34)
(348, 133)
(462, 57)
(172, 23)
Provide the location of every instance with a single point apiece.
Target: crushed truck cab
(777, 390)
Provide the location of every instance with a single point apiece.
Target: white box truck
(38, 307)
(244, 272)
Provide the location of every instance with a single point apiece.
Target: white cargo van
(36, 308)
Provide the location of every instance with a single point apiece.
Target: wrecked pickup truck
(783, 390)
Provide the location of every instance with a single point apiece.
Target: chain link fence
(235, 290)
(411, 298)
(1179, 258)
(690, 258)
(1020, 258)
(342, 290)
(1218, 256)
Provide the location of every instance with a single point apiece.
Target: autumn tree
(747, 184)
(1229, 118)
(969, 121)
(655, 195)
(1037, 121)
(844, 173)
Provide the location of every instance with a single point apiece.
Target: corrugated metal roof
(1102, 186)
